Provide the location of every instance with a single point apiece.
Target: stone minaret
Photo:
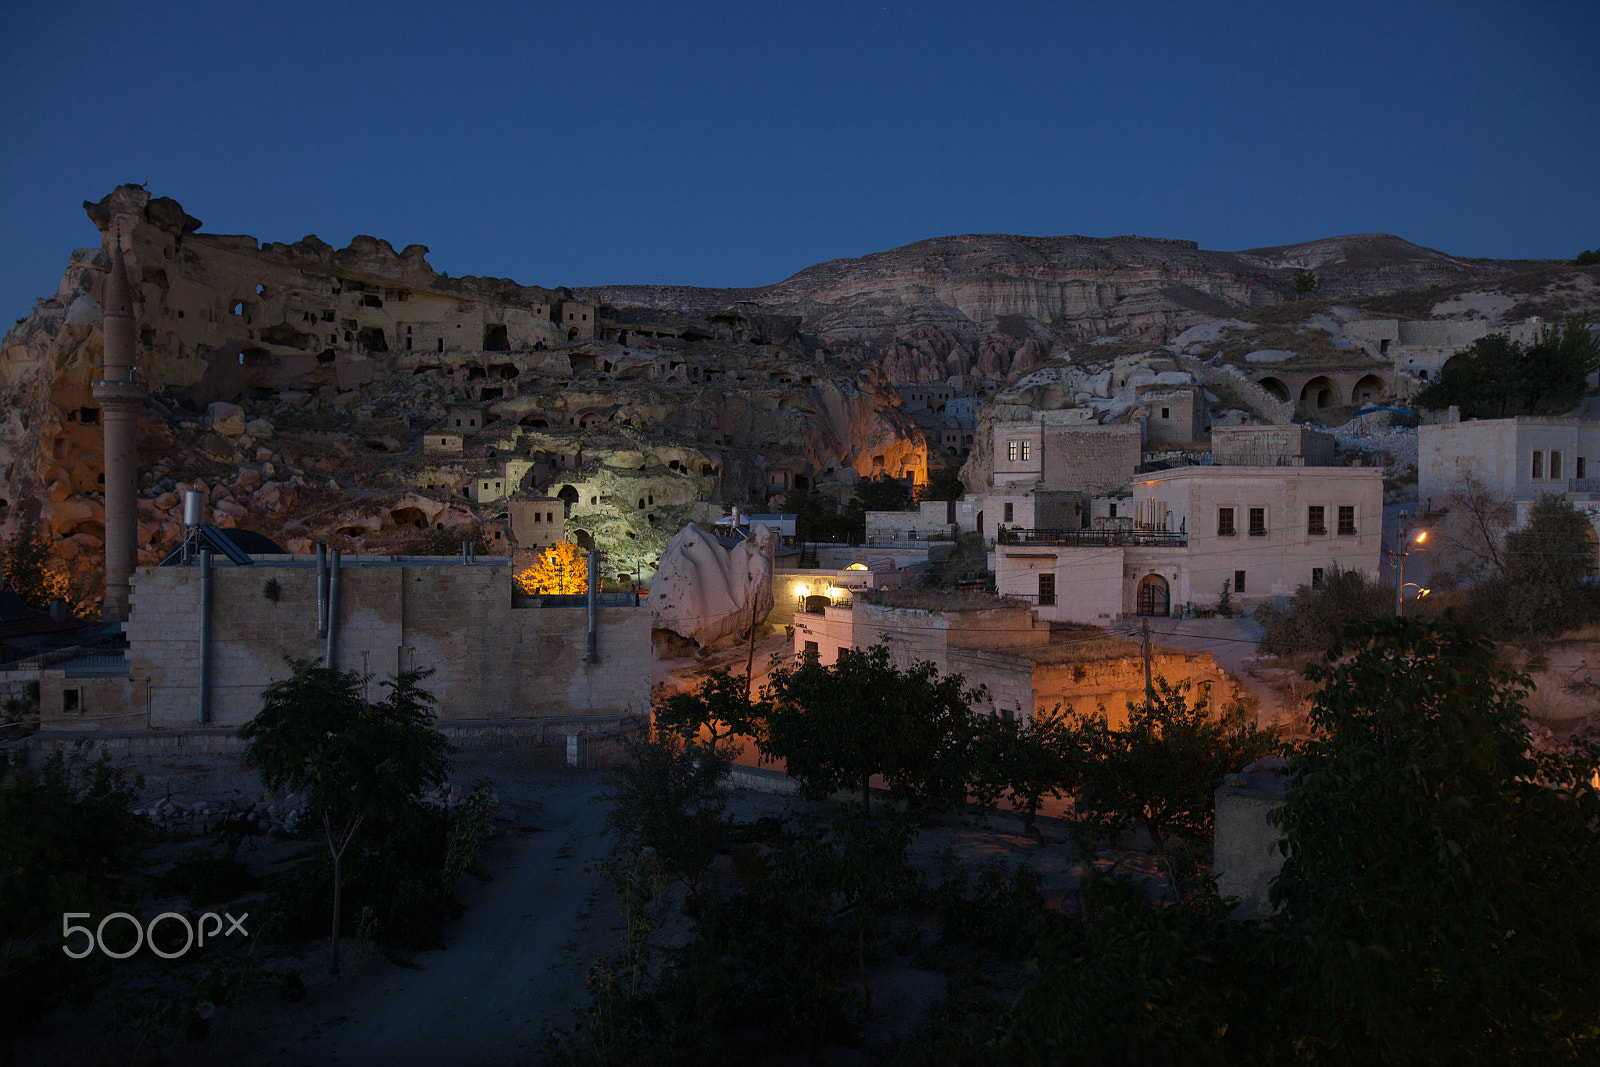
(121, 401)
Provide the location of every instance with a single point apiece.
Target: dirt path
(515, 961)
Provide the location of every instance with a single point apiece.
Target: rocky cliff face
(997, 306)
(300, 384)
(295, 383)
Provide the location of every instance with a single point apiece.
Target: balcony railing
(1583, 485)
(1094, 538)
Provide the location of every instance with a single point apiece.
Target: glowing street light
(1406, 541)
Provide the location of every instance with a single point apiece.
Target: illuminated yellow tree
(561, 568)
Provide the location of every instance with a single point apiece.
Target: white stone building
(1262, 530)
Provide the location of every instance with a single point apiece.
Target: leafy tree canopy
(836, 727)
(1306, 623)
(354, 761)
(1542, 591)
(1442, 879)
(942, 485)
(561, 568)
(30, 567)
(1498, 377)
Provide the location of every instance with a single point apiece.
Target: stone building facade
(1262, 530)
(1007, 654)
(491, 660)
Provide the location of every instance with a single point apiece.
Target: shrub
(1306, 624)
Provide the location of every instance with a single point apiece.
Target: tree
(1472, 530)
(30, 567)
(816, 517)
(1305, 284)
(1542, 590)
(1587, 258)
(1161, 771)
(882, 494)
(1497, 377)
(1441, 886)
(667, 796)
(353, 761)
(835, 727)
(68, 843)
(1306, 624)
(1028, 758)
(561, 568)
(943, 485)
(721, 708)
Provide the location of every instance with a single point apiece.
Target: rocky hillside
(356, 395)
(997, 306)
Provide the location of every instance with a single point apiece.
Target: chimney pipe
(333, 609)
(322, 589)
(592, 655)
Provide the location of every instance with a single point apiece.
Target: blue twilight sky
(735, 143)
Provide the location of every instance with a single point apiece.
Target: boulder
(260, 429)
(226, 419)
(706, 593)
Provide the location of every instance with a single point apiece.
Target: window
(1024, 445)
(1238, 581)
(1011, 451)
(535, 516)
(1225, 522)
(1315, 522)
(1538, 464)
(1163, 413)
(1047, 590)
(1010, 512)
(1113, 511)
(1555, 464)
(1258, 522)
(70, 701)
(1577, 467)
(842, 650)
(810, 649)
(1316, 577)
(1347, 520)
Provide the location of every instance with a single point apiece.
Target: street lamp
(1404, 542)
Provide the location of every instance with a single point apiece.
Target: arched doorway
(1320, 392)
(1275, 387)
(1153, 596)
(1370, 388)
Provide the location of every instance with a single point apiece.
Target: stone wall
(490, 661)
(1092, 459)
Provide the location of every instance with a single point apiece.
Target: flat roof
(1223, 470)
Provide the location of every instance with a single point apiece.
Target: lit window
(1011, 451)
(1024, 450)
